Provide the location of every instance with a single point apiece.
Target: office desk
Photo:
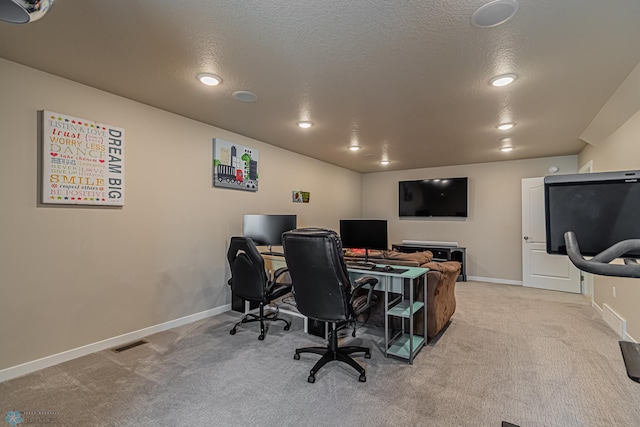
(400, 289)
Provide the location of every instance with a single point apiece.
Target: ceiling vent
(494, 13)
(23, 11)
(245, 96)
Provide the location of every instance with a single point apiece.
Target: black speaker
(459, 255)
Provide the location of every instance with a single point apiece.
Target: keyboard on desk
(360, 265)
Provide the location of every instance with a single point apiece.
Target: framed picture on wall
(235, 166)
(82, 161)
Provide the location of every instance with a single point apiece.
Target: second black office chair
(323, 291)
(250, 281)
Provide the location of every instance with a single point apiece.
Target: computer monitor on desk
(266, 230)
(364, 234)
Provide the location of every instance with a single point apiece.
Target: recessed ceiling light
(506, 126)
(494, 13)
(506, 139)
(209, 79)
(502, 80)
(245, 96)
(506, 149)
(304, 124)
(354, 147)
(384, 162)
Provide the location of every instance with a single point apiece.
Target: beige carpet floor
(526, 356)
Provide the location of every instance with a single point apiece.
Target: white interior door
(539, 269)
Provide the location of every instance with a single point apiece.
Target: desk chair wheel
(233, 331)
(362, 379)
(261, 337)
(367, 355)
(287, 327)
(296, 356)
(311, 379)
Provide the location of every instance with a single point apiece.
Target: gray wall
(491, 233)
(74, 276)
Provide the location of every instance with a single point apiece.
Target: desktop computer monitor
(364, 234)
(266, 230)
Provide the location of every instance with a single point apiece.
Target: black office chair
(250, 281)
(323, 291)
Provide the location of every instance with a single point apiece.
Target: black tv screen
(445, 197)
(364, 233)
(600, 208)
(266, 230)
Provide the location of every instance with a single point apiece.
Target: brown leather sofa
(441, 282)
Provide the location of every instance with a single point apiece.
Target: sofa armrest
(441, 299)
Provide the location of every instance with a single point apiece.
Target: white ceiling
(406, 79)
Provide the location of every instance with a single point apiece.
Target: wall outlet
(614, 291)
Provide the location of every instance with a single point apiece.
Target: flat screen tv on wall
(444, 197)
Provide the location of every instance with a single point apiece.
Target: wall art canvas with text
(235, 166)
(82, 161)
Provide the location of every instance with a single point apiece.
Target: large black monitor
(444, 197)
(364, 234)
(600, 208)
(266, 230)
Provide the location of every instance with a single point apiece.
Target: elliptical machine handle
(599, 264)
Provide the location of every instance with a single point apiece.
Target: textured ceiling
(405, 79)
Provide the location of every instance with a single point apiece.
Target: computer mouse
(388, 268)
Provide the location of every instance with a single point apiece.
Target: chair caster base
(232, 332)
(296, 356)
(287, 327)
(261, 337)
(311, 379)
(363, 378)
(367, 355)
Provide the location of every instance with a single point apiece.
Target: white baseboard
(45, 362)
(616, 322)
(625, 335)
(492, 280)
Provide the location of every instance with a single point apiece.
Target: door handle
(526, 237)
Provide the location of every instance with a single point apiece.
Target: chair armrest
(273, 287)
(359, 283)
(279, 272)
(365, 280)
